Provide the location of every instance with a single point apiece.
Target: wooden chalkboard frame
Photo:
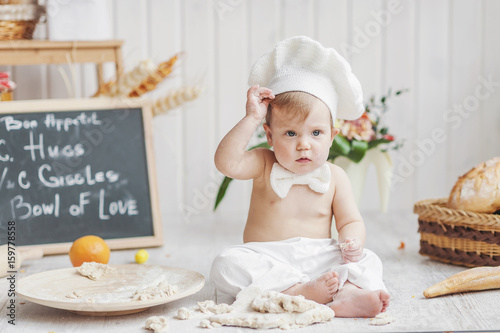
(57, 105)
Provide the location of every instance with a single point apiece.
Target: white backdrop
(445, 52)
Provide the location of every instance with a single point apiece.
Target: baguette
(474, 279)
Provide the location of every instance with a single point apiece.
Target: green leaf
(260, 145)
(222, 191)
(376, 142)
(340, 146)
(358, 150)
(383, 130)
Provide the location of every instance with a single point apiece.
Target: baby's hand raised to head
(351, 250)
(258, 99)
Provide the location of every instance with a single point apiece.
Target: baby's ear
(269, 134)
(335, 131)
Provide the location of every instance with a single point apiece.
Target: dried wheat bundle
(105, 89)
(128, 81)
(152, 80)
(175, 98)
(133, 78)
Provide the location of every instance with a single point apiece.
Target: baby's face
(302, 146)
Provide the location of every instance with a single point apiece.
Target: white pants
(279, 265)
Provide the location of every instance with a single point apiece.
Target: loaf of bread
(479, 189)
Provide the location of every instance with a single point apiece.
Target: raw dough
(382, 319)
(162, 290)
(203, 306)
(167, 288)
(244, 312)
(93, 270)
(210, 306)
(275, 302)
(221, 308)
(75, 294)
(183, 314)
(205, 323)
(344, 245)
(156, 323)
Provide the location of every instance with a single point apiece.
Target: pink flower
(360, 129)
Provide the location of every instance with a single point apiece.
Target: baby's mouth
(303, 160)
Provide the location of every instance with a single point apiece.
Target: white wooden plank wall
(441, 51)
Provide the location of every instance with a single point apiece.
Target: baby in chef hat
(299, 88)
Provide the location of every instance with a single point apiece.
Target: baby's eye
(291, 133)
(316, 132)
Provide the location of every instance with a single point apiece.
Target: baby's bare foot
(320, 290)
(352, 302)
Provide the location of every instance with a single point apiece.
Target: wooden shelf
(36, 52)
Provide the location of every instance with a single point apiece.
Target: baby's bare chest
(302, 213)
(301, 202)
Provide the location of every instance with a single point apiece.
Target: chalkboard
(70, 168)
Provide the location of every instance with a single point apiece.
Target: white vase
(357, 174)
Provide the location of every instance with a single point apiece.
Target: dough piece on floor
(275, 302)
(210, 306)
(382, 319)
(93, 270)
(221, 308)
(203, 306)
(74, 295)
(183, 314)
(244, 315)
(205, 323)
(156, 324)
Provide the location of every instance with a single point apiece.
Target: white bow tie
(282, 180)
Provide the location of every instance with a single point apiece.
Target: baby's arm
(231, 157)
(350, 225)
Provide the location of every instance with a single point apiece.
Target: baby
(288, 245)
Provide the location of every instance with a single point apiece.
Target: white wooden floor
(193, 246)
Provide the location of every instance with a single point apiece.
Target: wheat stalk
(152, 80)
(104, 89)
(133, 78)
(176, 98)
(128, 81)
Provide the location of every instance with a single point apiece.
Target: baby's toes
(332, 285)
(331, 278)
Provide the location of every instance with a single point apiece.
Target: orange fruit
(89, 248)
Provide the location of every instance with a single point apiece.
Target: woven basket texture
(10, 30)
(458, 236)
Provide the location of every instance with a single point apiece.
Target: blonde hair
(292, 104)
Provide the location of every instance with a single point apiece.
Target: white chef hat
(302, 64)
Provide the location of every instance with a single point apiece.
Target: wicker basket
(10, 30)
(458, 236)
(19, 21)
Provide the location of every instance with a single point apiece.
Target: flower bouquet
(355, 143)
(356, 137)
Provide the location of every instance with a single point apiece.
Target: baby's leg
(239, 267)
(352, 301)
(320, 290)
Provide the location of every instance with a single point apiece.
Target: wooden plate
(111, 294)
